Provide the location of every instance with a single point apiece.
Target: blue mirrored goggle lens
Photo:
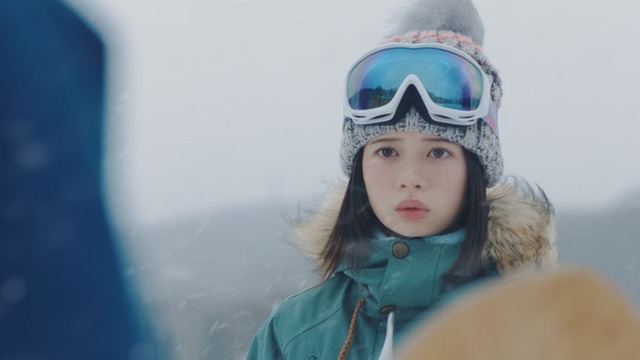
(450, 80)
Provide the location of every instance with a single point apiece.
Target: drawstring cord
(352, 326)
(387, 348)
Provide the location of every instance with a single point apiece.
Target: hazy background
(226, 103)
(225, 115)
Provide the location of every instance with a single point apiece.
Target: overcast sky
(229, 103)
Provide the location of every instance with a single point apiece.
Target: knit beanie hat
(455, 23)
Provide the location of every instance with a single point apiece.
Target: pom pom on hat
(457, 16)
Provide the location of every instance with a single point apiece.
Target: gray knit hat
(455, 23)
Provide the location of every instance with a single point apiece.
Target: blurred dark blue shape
(62, 294)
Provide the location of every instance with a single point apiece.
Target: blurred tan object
(564, 314)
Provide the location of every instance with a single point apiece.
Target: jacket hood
(521, 230)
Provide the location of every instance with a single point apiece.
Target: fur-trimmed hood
(521, 227)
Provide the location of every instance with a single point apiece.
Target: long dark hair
(350, 238)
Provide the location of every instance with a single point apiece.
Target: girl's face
(415, 182)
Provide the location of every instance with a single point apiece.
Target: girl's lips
(412, 210)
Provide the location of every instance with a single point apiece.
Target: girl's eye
(387, 152)
(439, 153)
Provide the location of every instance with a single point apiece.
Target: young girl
(425, 211)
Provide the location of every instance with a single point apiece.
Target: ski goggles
(453, 87)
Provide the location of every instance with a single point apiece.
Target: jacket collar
(409, 283)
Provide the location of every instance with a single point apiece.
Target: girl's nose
(417, 186)
(411, 179)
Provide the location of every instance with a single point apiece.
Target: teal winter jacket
(401, 276)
